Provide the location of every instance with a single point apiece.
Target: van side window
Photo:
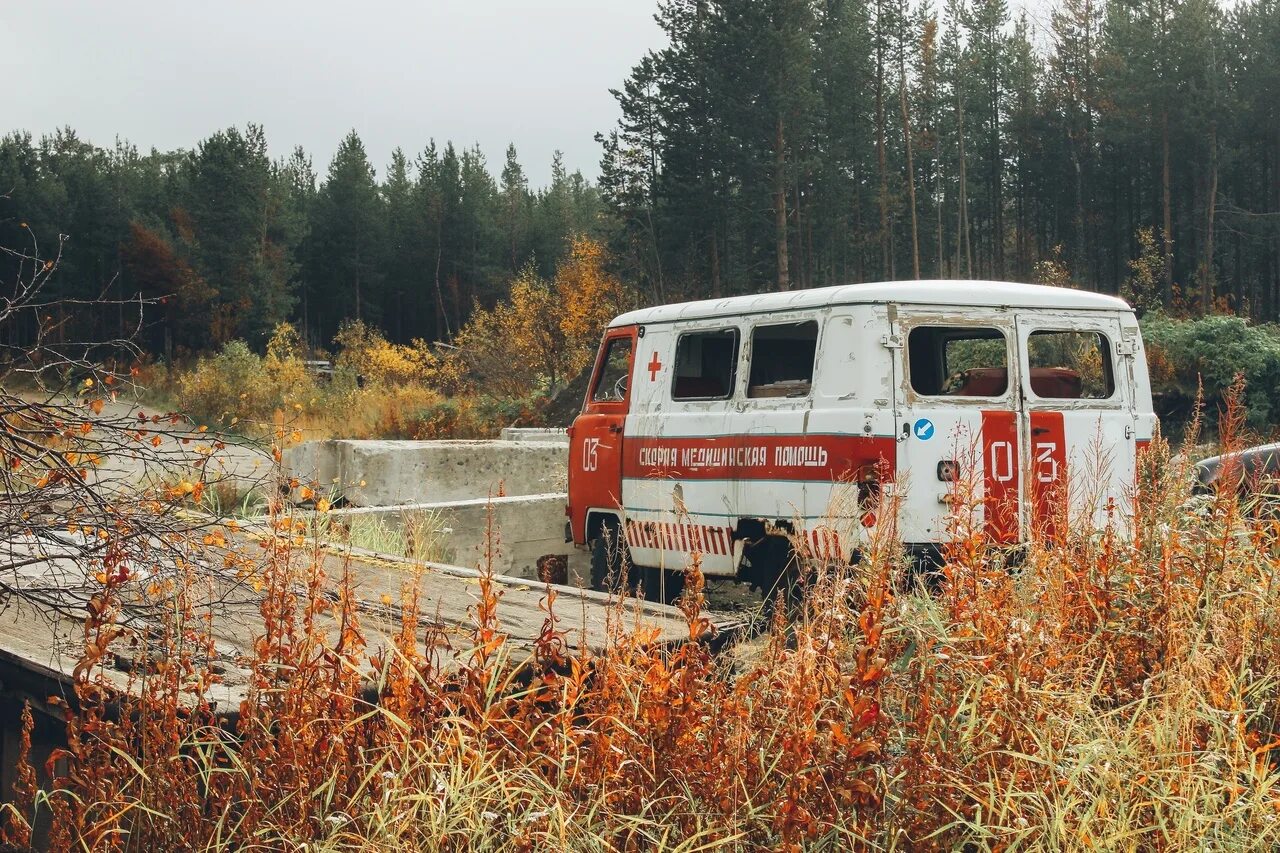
(958, 361)
(782, 359)
(706, 365)
(1070, 365)
(611, 384)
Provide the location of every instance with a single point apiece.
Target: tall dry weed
(1109, 690)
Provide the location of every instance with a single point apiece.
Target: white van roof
(998, 294)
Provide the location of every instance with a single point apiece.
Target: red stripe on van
(1140, 447)
(753, 457)
(1000, 475)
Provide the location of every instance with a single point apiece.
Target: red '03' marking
(1048, 474)
(1000, 475)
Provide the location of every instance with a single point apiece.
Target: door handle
(1039, 430)
(615, 427)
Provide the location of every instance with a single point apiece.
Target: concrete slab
(390, 473)
(556, 434)
(526, 528)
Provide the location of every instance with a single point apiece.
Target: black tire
(662, 586)
(610, 560)
(778, 571)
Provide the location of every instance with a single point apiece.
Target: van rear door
(595, 442)
(957, 420)
(1077, 421)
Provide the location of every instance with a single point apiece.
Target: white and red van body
(707, 423)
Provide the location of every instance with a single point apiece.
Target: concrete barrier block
(526, 528)
(390, 473)
(554, 434)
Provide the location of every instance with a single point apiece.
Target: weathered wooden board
(42, 624)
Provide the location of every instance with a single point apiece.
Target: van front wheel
(777, 570)
(610, 561)
(662, 586)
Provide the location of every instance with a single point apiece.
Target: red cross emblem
(654, 367)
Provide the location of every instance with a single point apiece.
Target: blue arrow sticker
(924, 429)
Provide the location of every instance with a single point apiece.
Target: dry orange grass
(1113, 693)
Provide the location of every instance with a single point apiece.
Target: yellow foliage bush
(366, 352)
(405, 392)
(237, 384)
(517, 345)
(285, 370)
(589, 298)
(546, 332)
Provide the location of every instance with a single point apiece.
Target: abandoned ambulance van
(734, 428)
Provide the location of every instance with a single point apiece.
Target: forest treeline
(1130, 146)
(796, 143)
(230, 242)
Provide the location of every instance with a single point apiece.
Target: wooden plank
(43, 633)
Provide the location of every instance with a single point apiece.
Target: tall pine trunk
(357, 277)
(939, 197)
(1274, 284)
(883, 199)
(963, 217)
(911, 176)
(1167, 206)
(715, 263)
(1207, 294)
(997, 185)
(780, 207)
(803, 261)
(442, 319)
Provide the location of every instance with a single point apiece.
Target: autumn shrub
(546, 332)
(377, 390)
(1212, 350)
(228, 384)
(237, 385)
(466, 416)
(363, 351)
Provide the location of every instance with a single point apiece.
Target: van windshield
(611, 384)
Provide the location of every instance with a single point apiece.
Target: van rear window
(1070, 365)
(958, 361)
(706, 365)
(782, 359)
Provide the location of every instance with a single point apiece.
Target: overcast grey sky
(167, 73)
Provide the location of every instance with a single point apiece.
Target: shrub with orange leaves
(1112, 691)
(589, 296)
(366, 353)
(545, 333)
